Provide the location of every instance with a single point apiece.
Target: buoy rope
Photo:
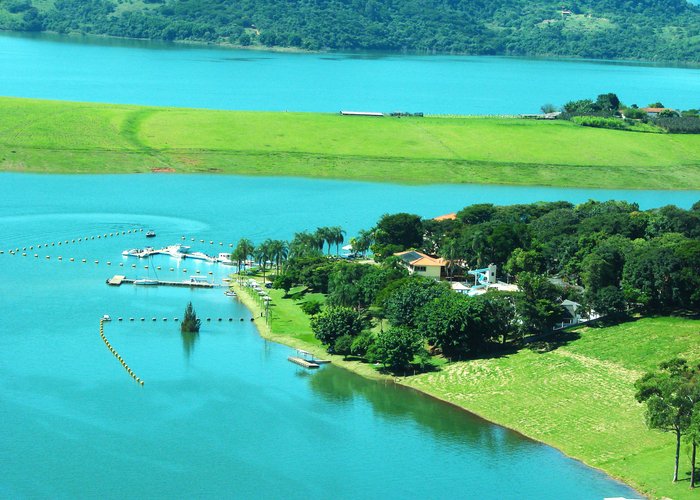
(116, 355)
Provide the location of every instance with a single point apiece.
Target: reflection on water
(189, 339)
(161, 73)
(395, 403)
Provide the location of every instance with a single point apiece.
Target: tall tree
(396, 347)
(669, 402)
(244, 249)
(279, 251)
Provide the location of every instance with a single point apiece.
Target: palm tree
(305, 244)
(324, 235)
(262, 255)
(363, 241)
(244, 249)
(450, 252)
(336, 236)
(279, 250)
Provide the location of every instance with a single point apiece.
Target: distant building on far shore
(452, 216)
(361, 113)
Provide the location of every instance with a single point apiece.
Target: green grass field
(62, 137)
(579, 397)
(576, 395)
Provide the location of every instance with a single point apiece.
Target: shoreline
(664, 63)
(366, 371)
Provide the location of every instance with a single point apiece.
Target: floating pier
(306, 359)
(303, 362)
(119, 279)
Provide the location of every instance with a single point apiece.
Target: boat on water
(140, 252)
(146, 281)
(201, 256)
(197, 280)
(225, 258)
(150, 233)
(106, 317)
(177, 251)
(230, 293)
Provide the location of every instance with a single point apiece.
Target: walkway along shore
(367, 370)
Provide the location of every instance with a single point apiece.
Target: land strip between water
(67, 137)
(575, 393)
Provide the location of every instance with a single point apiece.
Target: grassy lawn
(579, 397)
(62, 137)
(576, 394)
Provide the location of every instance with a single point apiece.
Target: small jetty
(306, 359)
(193, 282)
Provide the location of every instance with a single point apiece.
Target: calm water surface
(223, 414)
(122, 71)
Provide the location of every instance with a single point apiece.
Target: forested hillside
(635, 29)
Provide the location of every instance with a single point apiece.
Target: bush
(599, 122)
(343, 345)
(679, 124)
(311, 307)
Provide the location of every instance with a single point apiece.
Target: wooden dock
(303, 362)
(118, 280)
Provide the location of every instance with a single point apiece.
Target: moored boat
(225, 258)
(146, 281)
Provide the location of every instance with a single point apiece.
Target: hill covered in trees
(666, 30)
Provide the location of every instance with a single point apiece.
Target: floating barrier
(114, 352)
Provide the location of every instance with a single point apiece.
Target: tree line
(661, 30)
(610, 257)
(607, 111)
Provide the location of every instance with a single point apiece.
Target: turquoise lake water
(122, 71)
(224, 414)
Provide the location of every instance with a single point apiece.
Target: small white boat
(225, 258)
(230, 293)
(140, 253)
(176, 251)
(201, 256)
(150, 233)
(106, 317)
(146, 281)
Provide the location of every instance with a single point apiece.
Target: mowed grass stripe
(64, 137)
(579, 397)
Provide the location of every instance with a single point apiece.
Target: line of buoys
(117, 355)
(175, 319)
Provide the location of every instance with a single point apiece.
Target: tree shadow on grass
(552, 342)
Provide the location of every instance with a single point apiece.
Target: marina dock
(303, 362)
(118, 280)
(306, 359)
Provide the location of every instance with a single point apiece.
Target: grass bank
(576, 395)
(64, 137)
